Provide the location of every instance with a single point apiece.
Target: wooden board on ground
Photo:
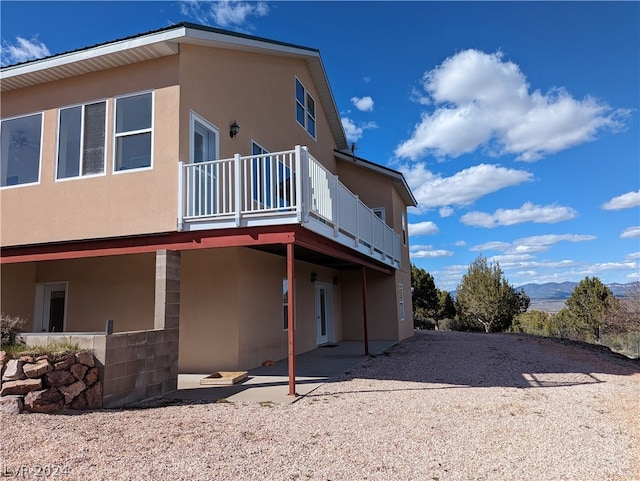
(224, 378)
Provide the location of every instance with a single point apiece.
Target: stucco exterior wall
(255, 90)
(17, 289)
(113, 204)
(100, 288)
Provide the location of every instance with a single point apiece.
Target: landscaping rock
(11, 404)
(20, 387)
(44, 401)
(58, 378)
(78, 370)
(71, 392)
(80, 403)
(86, 358)
(38, 368)
(94, 396)
(92, 376)
(13, 371)
(65, 363)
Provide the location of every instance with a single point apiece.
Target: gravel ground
(437, 406)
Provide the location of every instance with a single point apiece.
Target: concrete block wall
(139, 365)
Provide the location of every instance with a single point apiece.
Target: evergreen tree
(484, 296)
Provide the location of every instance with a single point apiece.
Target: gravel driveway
(439, 406)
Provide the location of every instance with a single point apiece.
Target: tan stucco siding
(231, 312)
(101, 288)
(113, 204)
(17, 288)
(255, 90)
(118, 288)
(209, 307)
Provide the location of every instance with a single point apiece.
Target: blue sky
(516, 124)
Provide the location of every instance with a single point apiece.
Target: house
(196, 181)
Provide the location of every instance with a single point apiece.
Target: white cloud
(423, 228)
(23, 50)
(445, 211)
(530, 245)
(354, 132)
(224, 13)
(430, 254)
(631, 233)
(484, 101)
(547, 214)
(463, 188)
(624, 201)
(364, 104)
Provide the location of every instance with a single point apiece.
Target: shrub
(10, 327)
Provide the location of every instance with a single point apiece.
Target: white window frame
(401, 301)
(193, 118)
(133, 132)
(380, 212)
(305, 107)
(41, 114)
(106, 140)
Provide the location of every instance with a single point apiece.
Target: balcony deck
(289, 187)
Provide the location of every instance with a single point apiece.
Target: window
(264, 171)
(285, 304)
(380, 212)
(404, 229)
(133, 132)
(21, 150)
(305, 109)
(401, 301)
(81, 140)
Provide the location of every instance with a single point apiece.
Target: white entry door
(323, 313)
(204, 148)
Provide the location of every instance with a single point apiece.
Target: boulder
(66, 362)
(11, 404)
(13, 371)
(37, 369)
(71, 391)
(78, 371)
(94, 396)
(4, 357)
(86, 358)
(58, 378)
(44, 401)
(80, 403)
(92, 376)
(20, 387)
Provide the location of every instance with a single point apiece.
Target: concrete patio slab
(269, 384)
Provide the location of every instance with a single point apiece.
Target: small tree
(484, 296)
(424, 295)
(588, 307)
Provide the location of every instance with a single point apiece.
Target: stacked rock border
(45, 385)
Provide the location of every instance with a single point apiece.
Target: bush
(10, 327)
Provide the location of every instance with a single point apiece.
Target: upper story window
(133, 132)
(305, 109)
(21, 150)
(81, 140)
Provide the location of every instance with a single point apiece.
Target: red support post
(364, 310)
(291, 319)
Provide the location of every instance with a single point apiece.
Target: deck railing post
(180, 195)
(237, 188)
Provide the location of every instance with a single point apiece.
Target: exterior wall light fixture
(234, 128)
(314, 276)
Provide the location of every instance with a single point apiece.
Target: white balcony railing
(281, 188)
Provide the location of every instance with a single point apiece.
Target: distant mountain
(563, 290)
